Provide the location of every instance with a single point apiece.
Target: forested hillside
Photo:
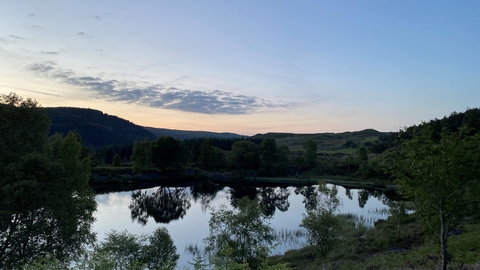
(96, 128)
(187, 134)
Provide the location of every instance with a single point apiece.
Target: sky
(246, 66)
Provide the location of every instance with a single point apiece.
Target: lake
(187, 214)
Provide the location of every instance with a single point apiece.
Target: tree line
(47, 205)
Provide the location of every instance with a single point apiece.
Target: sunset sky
(246, 66)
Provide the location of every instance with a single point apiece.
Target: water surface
(114, 214)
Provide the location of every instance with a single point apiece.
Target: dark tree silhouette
(164, 205)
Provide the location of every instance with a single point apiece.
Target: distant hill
(344, 142)
(186, 134)
(96, 128)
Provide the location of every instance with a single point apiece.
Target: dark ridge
(186, 134)
(96, 128)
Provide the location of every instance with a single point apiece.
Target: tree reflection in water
(269, 198)
(164, 205)
(310, 196)
(204, 192)
(273, 198)
(363, 196)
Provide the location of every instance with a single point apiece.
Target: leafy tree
(117, 160)
(268, 149)
(142, 156)
(244, 231)
(47, 205)
(310, 154)
(442, 179)
(23, 128)
(168, 153)
(105, 154)
(320, 221)
(119, 251)
(245, 155)
(362, 155)
(206, 155)
(160, 253)
(127, 251)
(282, 159)
(122, 248)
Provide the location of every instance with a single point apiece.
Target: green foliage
(268, 150)
(104, 155)
(224, 261)
(245, 155)
(243, 232)
(441, 178)
(310, 154)
(47, 205)
(120, 251)
(117, 160)
(50, 205)
(320, 221)
(169, 153)
(206, 155)
(123, 248)
(127, 251)
(23, 128)
(160, 253)
(142, 156)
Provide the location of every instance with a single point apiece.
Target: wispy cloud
(50, 53)
(36, 27)
(16, 37)
(159, 96)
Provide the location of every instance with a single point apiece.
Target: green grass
(389, 245)
(326, 142)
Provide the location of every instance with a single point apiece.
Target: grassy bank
(391, 244)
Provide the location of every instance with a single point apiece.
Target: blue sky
(246, 66)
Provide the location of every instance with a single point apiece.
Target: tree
(441, 178)
(320, 220)
(169, 153)
(268, 149)
(47, 205)
(23, 128)
(244, 231)
(127, 251)
(160, 253)
(142, 156)
(282, 159)
(310, 154)
(364, 167)
(206, 155)
(123, 249)
(245, 155)
(117, 160)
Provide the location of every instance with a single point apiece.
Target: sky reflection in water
(114, 214)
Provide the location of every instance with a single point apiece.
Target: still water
(187, 220)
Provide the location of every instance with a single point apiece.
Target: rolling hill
(186, 134)
(96, 128)
(100, 129)
(343, 142)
